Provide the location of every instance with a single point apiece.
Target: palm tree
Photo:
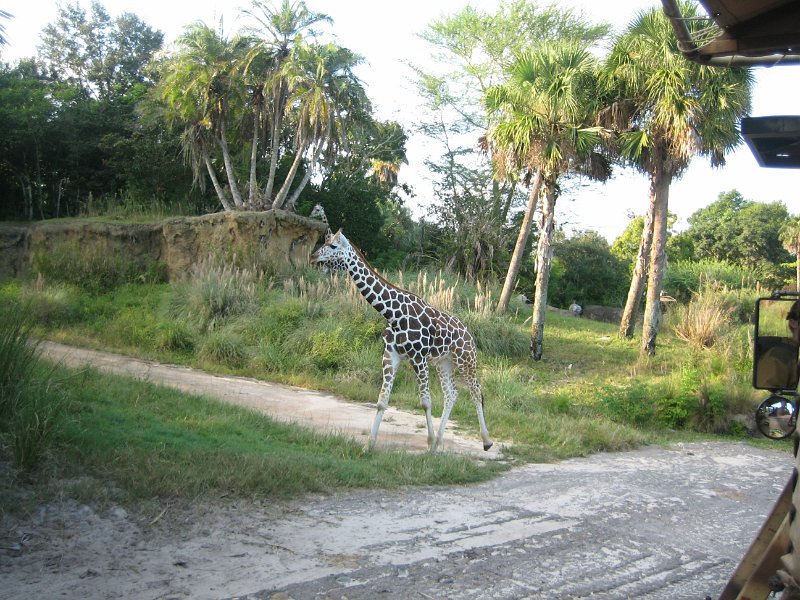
(4, 15)
(324, 94)
(279, 31)
(790, 238)
(676, 109)
(540, 123)
(200, 93)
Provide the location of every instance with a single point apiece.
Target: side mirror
(775, 363)
(776, 417)
(777, 340)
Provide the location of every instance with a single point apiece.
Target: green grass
(154, 441)
(591, 392)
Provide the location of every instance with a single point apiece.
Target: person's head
(793, 320)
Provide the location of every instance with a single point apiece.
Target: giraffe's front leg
(391, 360)
(420, 366)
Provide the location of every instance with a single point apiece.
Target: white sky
(385, 34)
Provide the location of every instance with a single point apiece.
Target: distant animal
(575, 308)
(319, 213)
(416, 331)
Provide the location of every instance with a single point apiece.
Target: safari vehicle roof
(749, 33)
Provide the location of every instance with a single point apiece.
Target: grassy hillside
(591, 392)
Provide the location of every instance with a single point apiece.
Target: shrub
(92, 267)
(52, 305)
(225, 348)
(497, 336)
(279, 318)
(174, 336)
(213, 292)
(701, 322)
(328, 349)
(631, 404)
(684, 278)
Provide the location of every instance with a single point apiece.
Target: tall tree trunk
(253, 201)
(797, 272)
(544, 258)
(280, 197)
(217, 187)
(274, 143)
(658, 263)
(519, 248)
(229, 171)
(292, 201)
(631, 311)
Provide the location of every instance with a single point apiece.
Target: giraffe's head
(333, 255)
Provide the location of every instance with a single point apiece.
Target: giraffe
(319, 213)
(416, 331)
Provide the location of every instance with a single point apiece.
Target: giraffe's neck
(381, 294)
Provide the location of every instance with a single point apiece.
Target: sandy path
(320, 410)
(650, 524)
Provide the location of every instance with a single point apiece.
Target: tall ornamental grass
(30, 398)
(214, 291)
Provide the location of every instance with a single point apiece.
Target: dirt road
(655, 523)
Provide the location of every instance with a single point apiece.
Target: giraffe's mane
(381, 277)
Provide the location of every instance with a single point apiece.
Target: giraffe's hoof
(487, 446)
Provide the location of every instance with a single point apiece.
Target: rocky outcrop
(607, 314)
(280, 239)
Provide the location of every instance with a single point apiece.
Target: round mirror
(776, 417)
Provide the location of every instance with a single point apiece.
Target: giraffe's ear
(339, 237)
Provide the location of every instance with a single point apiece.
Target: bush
(498, 336)
(328, 350)
(53, 305)
(684, 278)
(213, 292)
(225, 348)
(174, 336)
(585, 271)
(92, 267)
(701, 322)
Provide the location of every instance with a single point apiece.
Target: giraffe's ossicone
(415, 331)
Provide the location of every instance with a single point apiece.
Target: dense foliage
(104, 119)
(103, 114)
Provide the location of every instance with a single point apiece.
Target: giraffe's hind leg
(445, 370)
(477, 398)
(391, 360)
(468, 369)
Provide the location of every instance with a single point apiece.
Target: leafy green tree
(277, 103)
(626, 246)
(542, 122)
(104, 57)
(279, 29)
(588, 272)
(789, 235)
(202, 95)
(471, 49)
(742, 232)
(28, 115)
(68, 113)
(670, 110)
